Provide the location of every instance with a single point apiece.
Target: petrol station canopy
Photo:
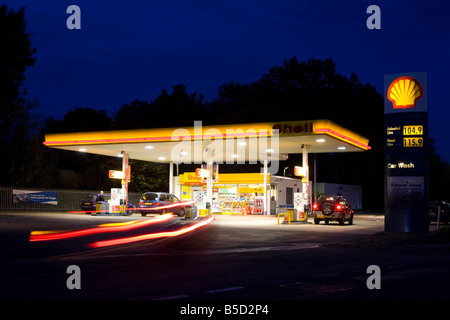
(231, 143)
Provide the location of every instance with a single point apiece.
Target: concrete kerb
(272, 219)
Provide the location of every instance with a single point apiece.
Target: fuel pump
(118, 201)
(300, 202)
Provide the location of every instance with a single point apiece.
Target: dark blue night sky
(130, 50)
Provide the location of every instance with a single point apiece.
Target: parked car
(162, 202)
(332, 209)
(89, 203)
(433, 209)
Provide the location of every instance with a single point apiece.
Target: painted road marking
(225, 289)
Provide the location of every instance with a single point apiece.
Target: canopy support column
(171, 177)
(266, 202)
(125, 169)
(305, 166)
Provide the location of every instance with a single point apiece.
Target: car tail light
(315, 206)
(141, 203)
(157, 203)
(338, 207)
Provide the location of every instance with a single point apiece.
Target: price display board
(405, 152)
(412, 142)
(413, 130)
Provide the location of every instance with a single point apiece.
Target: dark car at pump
(89, 202)
(439, 210)
(332, 209)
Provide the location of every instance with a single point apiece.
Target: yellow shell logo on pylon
(404, 92)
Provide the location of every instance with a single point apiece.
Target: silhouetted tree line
(296, 90)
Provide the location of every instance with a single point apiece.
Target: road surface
(234, 257)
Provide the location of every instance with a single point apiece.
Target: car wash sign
(406, 152)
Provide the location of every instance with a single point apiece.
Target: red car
(332, 209)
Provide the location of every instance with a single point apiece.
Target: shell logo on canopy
(404, 92)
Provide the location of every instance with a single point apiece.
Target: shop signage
(299, 171)
(296, 128)
(114, 174)
(202, 173)
(251, 190)
(404, 92)
(401, 165)
(406, 190)
(405, 152)
(408, 136)
(186, 193)
(190, 178)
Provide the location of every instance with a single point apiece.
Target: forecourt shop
(210, 146)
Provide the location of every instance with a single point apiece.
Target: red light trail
(51, 235)
(106, 243)
(156, 208)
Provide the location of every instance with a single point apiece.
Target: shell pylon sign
(404, 92)
(406, 152)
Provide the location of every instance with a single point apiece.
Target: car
(162, 202)
(89, 203)
(433, 210)
(332, 209)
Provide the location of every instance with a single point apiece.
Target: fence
(67, 200)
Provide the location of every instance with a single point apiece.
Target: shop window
(289, 196)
